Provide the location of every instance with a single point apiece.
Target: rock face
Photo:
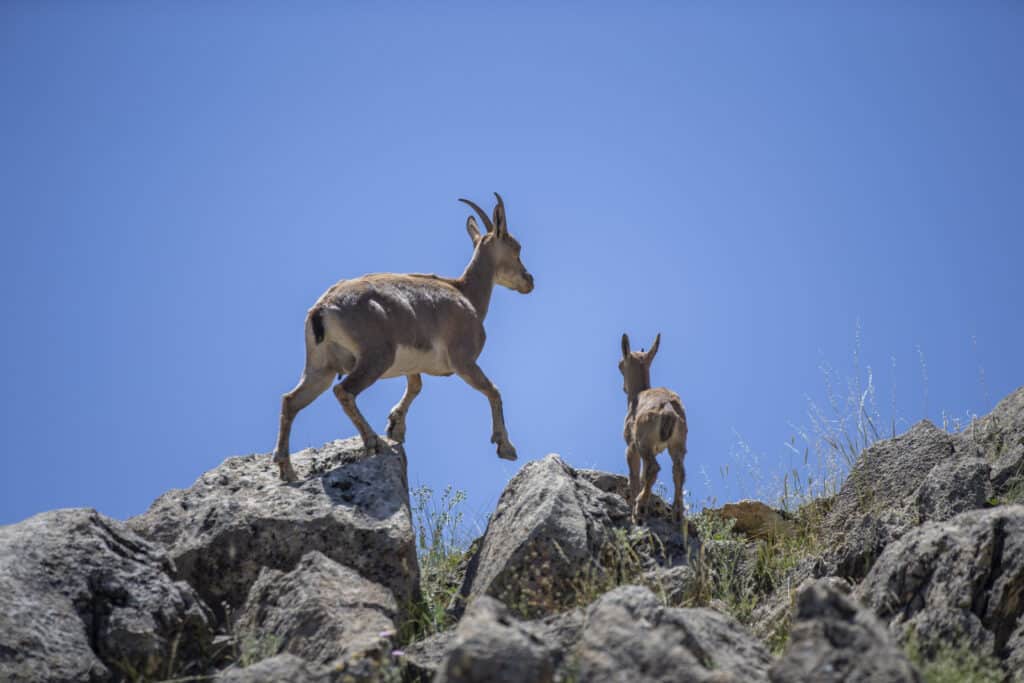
(754, 519)
(835, 641)
(550, 523)
(321, 611)
(83, 598)
(868, 514)
(238, 518)
(556, 528)
(998, 438)
(491, 647)
(630, 637)
(283, 667)
(958, 582)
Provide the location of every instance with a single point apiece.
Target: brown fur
(386, 325)
(655, 420)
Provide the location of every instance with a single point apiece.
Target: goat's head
(500, 246)
(635, 366)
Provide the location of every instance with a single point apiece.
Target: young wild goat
(386, 325)
(655, 420)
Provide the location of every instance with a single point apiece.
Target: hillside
(913, 571)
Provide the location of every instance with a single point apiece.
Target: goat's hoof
(506, 451)
(396, 429)
(287, 472)
(372, 445)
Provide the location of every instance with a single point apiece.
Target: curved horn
(480, 212)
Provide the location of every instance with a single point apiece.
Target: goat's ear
(625, 345)
(649, 358)
(474, 232)
(499, 216)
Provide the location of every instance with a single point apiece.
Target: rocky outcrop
(998, 438)
(754, 519)
(321, 611)
(630, 637)
(490, 646)
(85, 599)
(283, 667)
(836, 641)
(239, 518)
(556, 528)
(549, 525)
(868, 514)
(958, 582)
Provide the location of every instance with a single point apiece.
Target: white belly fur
(409, 360)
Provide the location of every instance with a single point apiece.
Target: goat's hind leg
(314, 382)
(368, 370)
(396, 418)
(650, 475)
(678, 453)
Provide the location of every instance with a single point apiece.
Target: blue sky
(180, 181)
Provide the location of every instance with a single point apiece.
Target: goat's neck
(477, 281)
(633, 394)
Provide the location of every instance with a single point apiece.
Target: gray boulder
(629, 637)
(876, 503)
(550, 524)
(833, 640)
(998, 438)
(283, 667)
(490, 646)
(321, 611)
(958, 582)
(953, 487)
(83, 598)
(239, 518)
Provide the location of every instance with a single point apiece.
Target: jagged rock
(954, 487)
(283, 667)
(958, 582)
(239, 518)
(675, 586)
(549, 525)
(492, 647)
(559, 632)
(321, 611)
(835, 640)
(999, 439)
(619, 485)
(555, 530)
(876, 503)
(630, 637)
(83, 598)
(754, 519)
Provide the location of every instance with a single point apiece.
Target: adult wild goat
(655, 420)
(386, 325)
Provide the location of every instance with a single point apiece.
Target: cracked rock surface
(86, 599)
(238, 518)
(958, 582)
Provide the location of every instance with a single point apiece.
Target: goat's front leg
(475, 377)
(368, 370)
(396, 418)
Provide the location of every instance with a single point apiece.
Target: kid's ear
(625, 345)
(654, 349)
(474, 232)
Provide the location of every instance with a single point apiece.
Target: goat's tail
(668, 425)
(316, 319)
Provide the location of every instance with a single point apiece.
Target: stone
(490, 646)
(239, 518)
(278, 669)
(321, 611)
(998, 438)
(755, 519)
(629, 637)
(953, 487)
(955, 583)
(834, 640)
(83, 598)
